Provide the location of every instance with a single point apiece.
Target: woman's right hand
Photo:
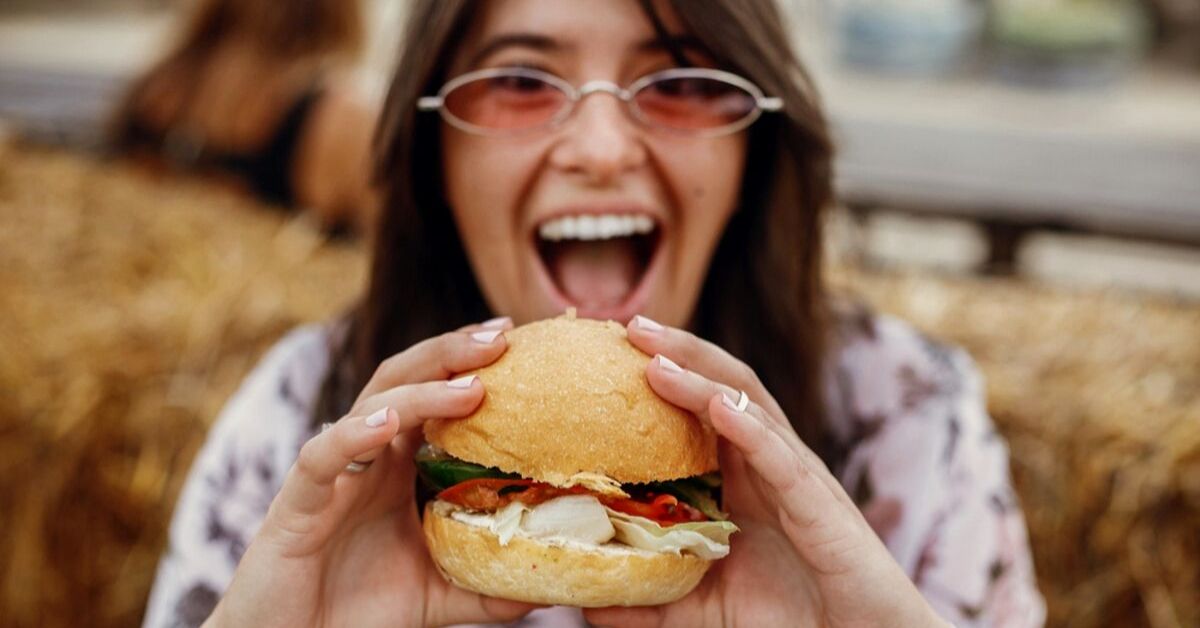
(343, 548)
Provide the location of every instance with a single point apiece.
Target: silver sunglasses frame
(625, 95)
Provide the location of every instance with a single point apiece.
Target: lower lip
(633, 304)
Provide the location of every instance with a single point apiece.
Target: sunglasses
(510, 101)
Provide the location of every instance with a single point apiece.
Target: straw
(132, 307)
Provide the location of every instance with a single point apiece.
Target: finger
(503, 323)
(308, 488)
(417, 403)
(440, 357)
(804, 489)
(452, 605)
(626, 617)
(697, 354)
(694, 392)
(686, 388)
(740, 491)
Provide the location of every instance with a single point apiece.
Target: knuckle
(690, 342)
(388, 367)
(746, 375)
(306, 462)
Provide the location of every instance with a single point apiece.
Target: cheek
(483, 183)
(707, 182)
(481, 187)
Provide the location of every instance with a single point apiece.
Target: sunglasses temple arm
(429, 103)
(770, 104)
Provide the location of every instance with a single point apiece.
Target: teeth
(595, 227)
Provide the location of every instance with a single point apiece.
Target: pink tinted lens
(694, 103)
(506, 103)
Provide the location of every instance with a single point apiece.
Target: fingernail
(742, 403)
(497, 323)
(647, 324)
(667, 364)
(463, 382)
(378, 418)
(485, 337)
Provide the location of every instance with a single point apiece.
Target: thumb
(449, 604)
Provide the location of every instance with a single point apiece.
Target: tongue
(596, 274)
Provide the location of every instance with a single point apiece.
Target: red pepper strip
(487, 494)
(663, 509)
(490, 494)
(483, 493)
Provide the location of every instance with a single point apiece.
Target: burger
(573, 483)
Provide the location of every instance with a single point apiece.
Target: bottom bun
(528, 570)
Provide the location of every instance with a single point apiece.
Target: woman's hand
(805, 556)
(344, 548)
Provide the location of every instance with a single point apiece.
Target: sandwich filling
(588, 509)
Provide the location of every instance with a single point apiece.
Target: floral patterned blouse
(925, 465)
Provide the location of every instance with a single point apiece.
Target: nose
(600, 141)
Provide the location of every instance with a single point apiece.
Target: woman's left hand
(805, 555)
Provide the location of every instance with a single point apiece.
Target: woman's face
(600, 163)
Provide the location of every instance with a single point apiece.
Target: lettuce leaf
(706, 539)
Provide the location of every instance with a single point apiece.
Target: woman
(723, 151)
(259, 94)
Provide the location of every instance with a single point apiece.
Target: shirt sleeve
(233, 479)
(931, 474)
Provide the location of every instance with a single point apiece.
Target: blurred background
(1021, 177)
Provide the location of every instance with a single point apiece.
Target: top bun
(570, 396)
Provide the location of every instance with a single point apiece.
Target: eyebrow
(545, 43)
(540, 43)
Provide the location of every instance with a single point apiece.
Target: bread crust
(570, 396)
(528, 570)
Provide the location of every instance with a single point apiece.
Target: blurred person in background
(869, 483)
(261, 94)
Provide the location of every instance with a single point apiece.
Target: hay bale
(130, 311)
(1098, 394)
(132, 308)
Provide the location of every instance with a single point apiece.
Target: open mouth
(597, 261)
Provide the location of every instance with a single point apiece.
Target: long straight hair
(762, 298)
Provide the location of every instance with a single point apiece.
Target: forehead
(577, 27)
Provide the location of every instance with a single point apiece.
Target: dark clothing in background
(268, 171)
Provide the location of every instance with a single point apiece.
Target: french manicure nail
(742, 403)
(648, 324)
(485, 337)
(667, 364)
(378, 418)
(463, 382)
(497, 323)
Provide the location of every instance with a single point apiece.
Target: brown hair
(285, 29)
(294, 31)
(762, 299)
